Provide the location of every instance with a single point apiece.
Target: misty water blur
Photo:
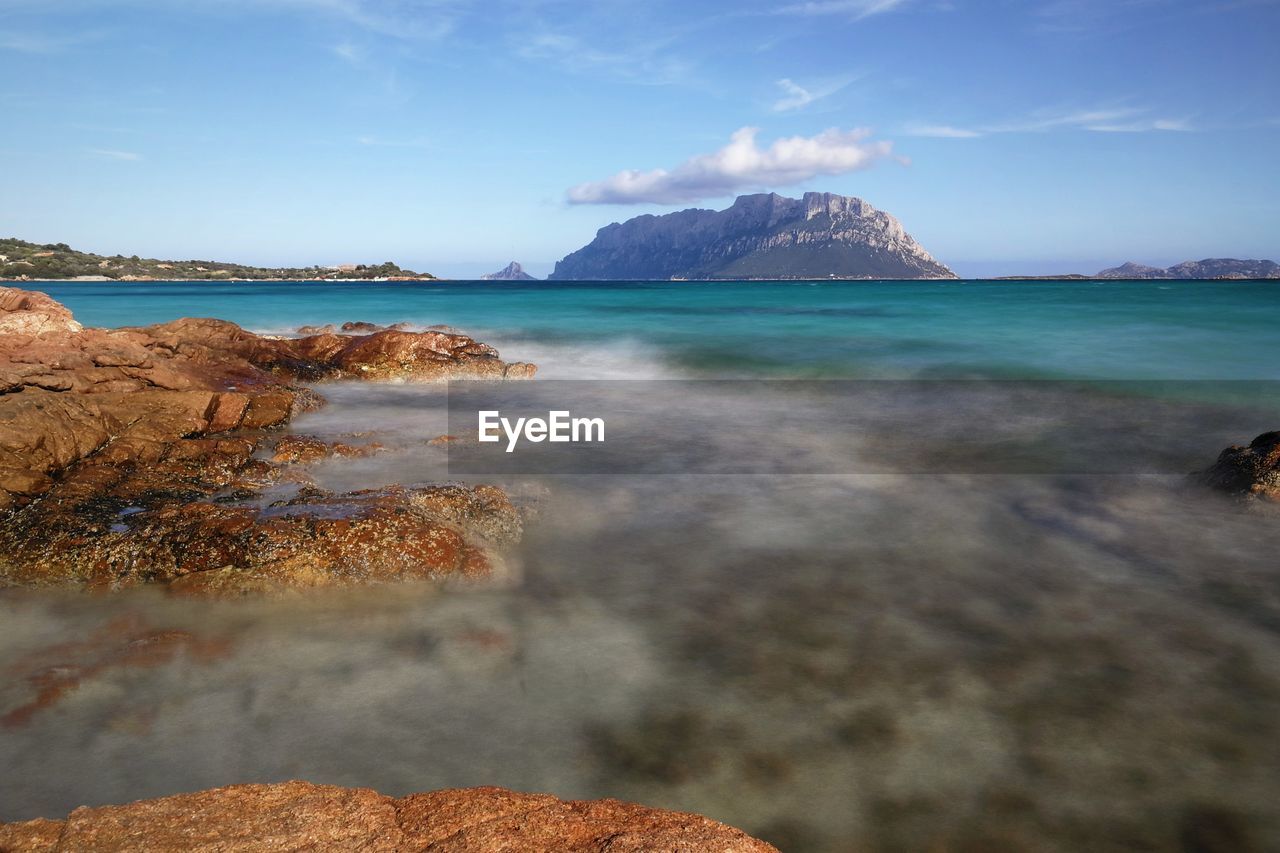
(830, 661)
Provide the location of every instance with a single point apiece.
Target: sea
(878, 566)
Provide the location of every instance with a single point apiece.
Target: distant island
(23, 261)
(511, 272)
(762, 236)
(1209, 268)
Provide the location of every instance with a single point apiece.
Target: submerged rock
(303, 816)
(123, 452)
(1252, 471)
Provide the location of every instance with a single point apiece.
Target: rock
(153, 513)
(27, 312)
(763, 236)
(300, 448)
(303, 816)
(165, 421)
(305, 448)
(1252, 471)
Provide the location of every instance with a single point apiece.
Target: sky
(452, 136)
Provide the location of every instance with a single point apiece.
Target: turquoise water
(1118, 330)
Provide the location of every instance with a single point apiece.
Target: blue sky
(455, 135)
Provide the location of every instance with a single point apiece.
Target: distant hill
(511, 272)
(23, 261)
(1207, 268)
(763, 236)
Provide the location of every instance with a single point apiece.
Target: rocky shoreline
(130, 456)
(303, 816)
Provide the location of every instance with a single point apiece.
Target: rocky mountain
(511, 272)
(763, 236)
(1207, 268)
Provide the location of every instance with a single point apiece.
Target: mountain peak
(511, 272)
(759, 236)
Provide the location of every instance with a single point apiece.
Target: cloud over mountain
(740, 165)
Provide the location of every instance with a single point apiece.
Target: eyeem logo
(559, 426)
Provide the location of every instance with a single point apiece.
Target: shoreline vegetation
(24, 261)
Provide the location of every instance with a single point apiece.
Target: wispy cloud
(855, 9)
(376, 142)
(106, 154)
(797, 97)
(402, 19)
(1110, 17)
(941, 131)
(742, 164)
(348, 52)
(1115, 120)
(639, 62)
(38, 43)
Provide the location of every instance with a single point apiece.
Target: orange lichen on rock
(303, 816)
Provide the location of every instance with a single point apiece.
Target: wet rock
(113, 526)
(394, 354)
(166, 419)
(303, 816)
(305, 448)
(1252, 471)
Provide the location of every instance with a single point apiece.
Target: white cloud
(115, 155)
(741, 164)
(856, 9)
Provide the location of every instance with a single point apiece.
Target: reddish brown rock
(30, 312)
(302, 816)
(305, 448)
(1252, 471)
(123, 452)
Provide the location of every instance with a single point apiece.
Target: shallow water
(878, 656)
